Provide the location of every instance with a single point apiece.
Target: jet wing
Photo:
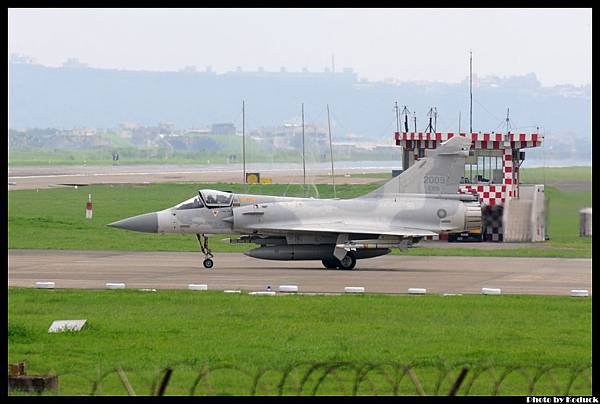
(344, 227)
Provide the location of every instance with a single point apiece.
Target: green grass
(55, 219)
(146, 331)
(549, 175)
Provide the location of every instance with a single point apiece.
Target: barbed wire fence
(332, 378)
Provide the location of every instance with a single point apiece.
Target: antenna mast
(244, 144)
(471, 91)
(415, 119)
(303, 151)
(429, 128)
(397, 117)
(331, 152)
(406, 113)
(333, 63)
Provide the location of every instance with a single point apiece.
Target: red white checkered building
(491, 195)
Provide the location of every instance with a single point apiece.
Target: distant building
(83, 131)
(74, 63)
(223, 129)
(166, 127)
(20, 58)
(128, 125)
(198, 132)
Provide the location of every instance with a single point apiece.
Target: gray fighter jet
(422, 201)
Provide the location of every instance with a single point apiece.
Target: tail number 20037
(435, 179)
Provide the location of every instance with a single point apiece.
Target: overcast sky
(404, 44)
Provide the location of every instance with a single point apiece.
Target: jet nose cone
(147, 222)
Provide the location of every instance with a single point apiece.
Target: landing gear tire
(203, 243)
(330, 263)
(348, 262)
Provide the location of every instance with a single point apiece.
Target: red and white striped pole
(88, 207)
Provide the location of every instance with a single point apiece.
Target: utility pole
(303, 151)
(244, 144)
(397, 117)
(471, 91)
(331, 152)
(434, 119)
(333, 63)
(406, 113)
(415, 119)
(507, 121)
(429, 127)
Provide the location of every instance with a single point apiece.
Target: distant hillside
(46, 97)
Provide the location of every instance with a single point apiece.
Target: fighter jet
(422, 201)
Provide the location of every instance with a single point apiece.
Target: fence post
(125, 382)
(458, 382)
(415, 380)
(164, 382)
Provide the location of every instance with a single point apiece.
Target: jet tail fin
(438, 173)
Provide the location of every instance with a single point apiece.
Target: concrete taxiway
(387, 274)
(32, 177)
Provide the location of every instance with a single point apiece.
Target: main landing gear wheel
(348, 262)
(330, 263)
(203, 243)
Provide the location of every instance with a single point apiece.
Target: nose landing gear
(203, 243)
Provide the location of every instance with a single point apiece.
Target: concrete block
(197, 286)
(66, 325)
(491, 291)
(417, 291)
(45, 285)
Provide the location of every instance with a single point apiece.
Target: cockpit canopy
(207, 197)
(192, 203)
(216, 199)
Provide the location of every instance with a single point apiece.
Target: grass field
(55, 219)
(146, 331)
(541, 175)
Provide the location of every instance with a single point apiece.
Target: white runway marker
(491, 291)
(197, 286)
(45, 285)
(417, 291)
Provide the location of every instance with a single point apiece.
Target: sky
(400, 44)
